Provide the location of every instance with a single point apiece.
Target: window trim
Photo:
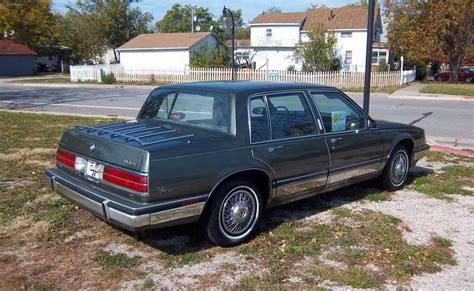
(268, 32)
(264, 95)
(366, 115)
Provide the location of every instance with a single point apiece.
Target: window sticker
(338, 121)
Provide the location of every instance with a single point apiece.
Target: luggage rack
(114, 133)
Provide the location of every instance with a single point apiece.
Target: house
(16, 59)
(274, 37)
(163, 50)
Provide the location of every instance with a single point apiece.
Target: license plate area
(94, 170)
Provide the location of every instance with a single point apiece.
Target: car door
(355, 147)
(285, 137)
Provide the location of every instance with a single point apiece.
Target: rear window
(209, 110)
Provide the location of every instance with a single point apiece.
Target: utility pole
(192, 20)
(224, 11)
(368, 54)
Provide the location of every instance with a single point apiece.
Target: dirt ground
(359, 237)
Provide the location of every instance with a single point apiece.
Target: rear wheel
(234, 213)
(396, 170)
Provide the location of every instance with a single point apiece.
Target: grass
(109, 260)
(450, 180)
(450, 89)
(388, 89)
(371, 238)
(57, 80)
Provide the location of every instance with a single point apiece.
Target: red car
(465, 75)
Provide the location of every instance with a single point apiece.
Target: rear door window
(290, 115)
(259, 120)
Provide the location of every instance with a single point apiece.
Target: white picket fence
(341, 79)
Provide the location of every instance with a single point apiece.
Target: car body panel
(184, 165)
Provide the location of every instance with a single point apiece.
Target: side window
(338, 113)
(290, 115)
(258, 120)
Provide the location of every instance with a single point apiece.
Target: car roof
(247, 87)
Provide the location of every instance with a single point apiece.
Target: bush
(108, 78)
(383, 66)
(421, 69)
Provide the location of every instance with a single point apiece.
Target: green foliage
(90, 28)
(178, 19)
(108, 78)
(383, 66)
(291, 68)
(273, 9)
(319, 53)
(436, 30)
(110, 260)
(30, 22)
(225, 24)
(207, 58)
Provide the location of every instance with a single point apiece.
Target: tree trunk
(454, 69)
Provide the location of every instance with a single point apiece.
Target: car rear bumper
(124, 213)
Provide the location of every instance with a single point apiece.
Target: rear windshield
(209, 110)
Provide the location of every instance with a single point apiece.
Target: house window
(346, 34)
(246, 56)
(348, 57)
(269, 32)
(377, 56)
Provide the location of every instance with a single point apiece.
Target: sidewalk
(412, 91)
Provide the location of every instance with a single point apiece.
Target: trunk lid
(124, 144)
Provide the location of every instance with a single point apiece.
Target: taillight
(125, 179)
(65, 158)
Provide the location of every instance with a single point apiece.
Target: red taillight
(65, 158)
(125, 179)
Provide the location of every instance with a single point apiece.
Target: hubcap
(399, 168)
(238, 212)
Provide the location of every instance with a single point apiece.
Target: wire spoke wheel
(399, 168)
(238, 212)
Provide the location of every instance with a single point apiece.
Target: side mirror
(258, 111)
(371, 123)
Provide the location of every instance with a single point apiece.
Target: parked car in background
(464, 75)
(222, 152)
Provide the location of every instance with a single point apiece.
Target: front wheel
(396, 170)
(234, 213)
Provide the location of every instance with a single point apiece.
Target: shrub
(108, 78)
(383, 66)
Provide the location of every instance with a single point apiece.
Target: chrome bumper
(132, 217)
(420, 153)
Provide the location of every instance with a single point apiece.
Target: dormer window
(269, 32)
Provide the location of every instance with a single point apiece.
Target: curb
(452, 150)
(437, 98)
(67, 114)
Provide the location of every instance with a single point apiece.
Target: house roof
(238, 42)
(164, 40)
(11, 47)
(291, 17)
(346, 17)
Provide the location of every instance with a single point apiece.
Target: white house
(274, 37)
(163, 50)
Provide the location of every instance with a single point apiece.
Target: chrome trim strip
(355, 170)
(301, 186)
(301, 179)
(177, 213)
(129, 220)
(368, 162)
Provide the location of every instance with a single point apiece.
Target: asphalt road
(446, 119)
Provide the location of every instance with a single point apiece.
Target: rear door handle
(334, 139)
(272, 149)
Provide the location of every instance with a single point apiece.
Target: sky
(250, 8)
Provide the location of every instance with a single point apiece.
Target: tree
(242, 31)
(101, 24)
(319, 53)
(30, 22)
(81, 32)
(207, 58)
(178, 19)
(435, 30)
(273, 9)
